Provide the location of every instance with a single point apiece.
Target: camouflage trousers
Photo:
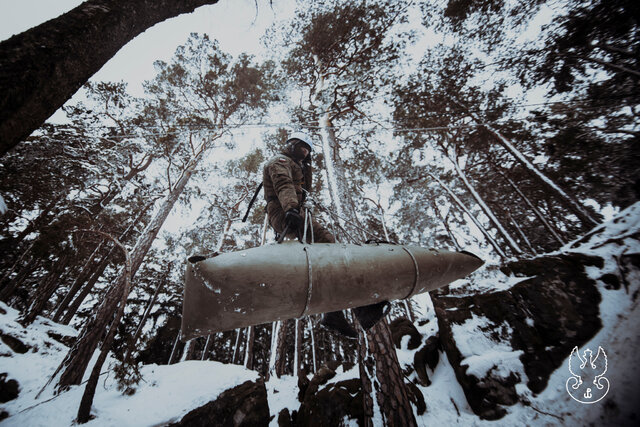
(277, 222)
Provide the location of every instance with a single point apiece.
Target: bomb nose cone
(479, 262)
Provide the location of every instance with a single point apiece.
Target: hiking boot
(335, 322)
(369, 315)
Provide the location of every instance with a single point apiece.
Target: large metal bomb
(283, 281)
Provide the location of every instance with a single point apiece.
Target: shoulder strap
(253, 199)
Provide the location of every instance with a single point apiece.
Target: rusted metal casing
(283, 281)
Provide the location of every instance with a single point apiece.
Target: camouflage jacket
(284, 179)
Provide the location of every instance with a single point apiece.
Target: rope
(334, 215)
(310, 287)
(415, 264)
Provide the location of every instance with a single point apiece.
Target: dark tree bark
(97, 273)
(44, 218)
(46, 290)
(248, 354)
(172, 356)
(207, 347)
(76, 361)
(93, 275)
(298, 353)
(84, 411)
(40, 69)
(15, 265)
(8, 291)
(281, 349)
(85, 272)
(237, 356)
(136, 335)
(382, 377)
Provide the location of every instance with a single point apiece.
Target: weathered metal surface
(283, 281)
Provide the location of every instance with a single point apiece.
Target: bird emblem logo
(587, 383)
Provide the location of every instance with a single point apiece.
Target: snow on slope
(166, 394)
(619, 336)
(169, 392)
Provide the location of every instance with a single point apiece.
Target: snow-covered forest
(507, 129)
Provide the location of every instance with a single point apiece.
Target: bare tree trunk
(407, 308)
(87, 397)
(522, 235)
(446, 225)
(248, 353)
(76, 361)
(275, 333)
(578, 209)
(382, 377)
(281, 350)
(207, 347)
(136, 335)
(297, 358)
(189, 351)
(534, 209)
(486, 209)
(235, 358)
(82, 277)
(44, 66)
(10, 288)
(86, 289)
(173, 350)
(96, 273)
(462, 206)
(45, 290)
(314, 361)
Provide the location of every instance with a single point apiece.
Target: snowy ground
(169, 392)
(166, 394)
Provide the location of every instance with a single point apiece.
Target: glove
(293, 220)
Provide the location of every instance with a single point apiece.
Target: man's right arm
(280, 173)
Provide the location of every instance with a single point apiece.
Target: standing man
(286, 177)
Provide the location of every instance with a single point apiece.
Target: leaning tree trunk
(40, 69)
(46, 290)
(145, 315)
(534, 209)
(522, 235)
(85, 273)
(486, 209)
(378, 362)
(462, 206)
(207, 347)
(94, 275)
(86, 289)
(578, 209)
(7, 292)
(76, 361)
(445, 224)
